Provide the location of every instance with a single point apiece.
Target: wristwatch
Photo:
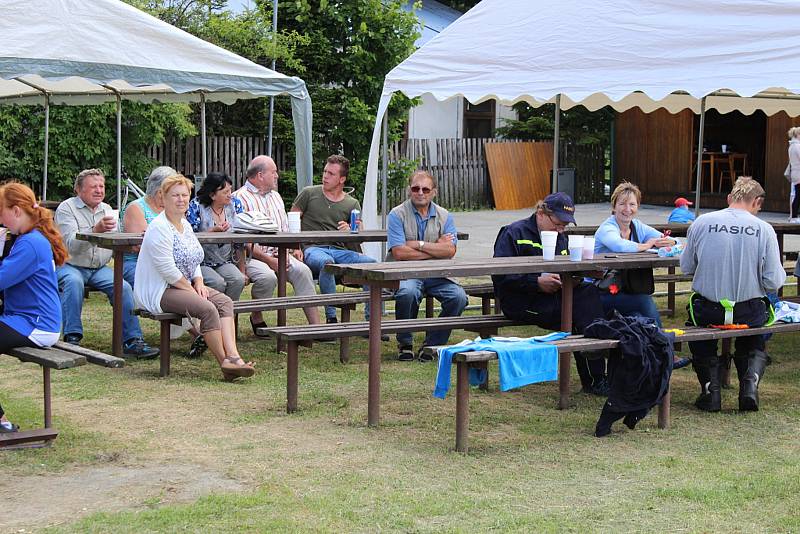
(421, 244)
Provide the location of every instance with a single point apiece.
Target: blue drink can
(355, 216)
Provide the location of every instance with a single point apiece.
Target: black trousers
(703, 312)
(544, 310)
(796, 201)
(9, 339)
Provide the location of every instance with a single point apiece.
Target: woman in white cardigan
(794, 169)
(168, 279)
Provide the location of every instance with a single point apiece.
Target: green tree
(82, 137)
(577, 125)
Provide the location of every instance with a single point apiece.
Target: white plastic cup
(724, 148)
(3, 232)
(115, 215)
(575, 247)
(588, 248)
(294, 222)
(549, 244)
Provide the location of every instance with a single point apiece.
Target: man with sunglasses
(536, 298)
(418, 229)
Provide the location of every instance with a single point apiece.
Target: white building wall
(436, 120)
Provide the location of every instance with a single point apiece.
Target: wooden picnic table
(120, 243)
(389, 274)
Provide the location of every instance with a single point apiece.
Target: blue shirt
(607, 238)
(396, 234)
(681, 215)
(28, 280)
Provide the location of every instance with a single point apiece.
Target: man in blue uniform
(536, 298)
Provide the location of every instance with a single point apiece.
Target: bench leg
(485, 384)
(462, 407)
(663, 410)
(486, 305)
(564, 358)
(671, 294)
(291, 376)
(48, 408)
(344, 343)
(163, 348)
(428, 306)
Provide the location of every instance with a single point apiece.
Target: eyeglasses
(558, 223)
(417, 189)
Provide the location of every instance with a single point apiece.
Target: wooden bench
(59, 356)
(466, 360)
(305, 335)
(346, 301)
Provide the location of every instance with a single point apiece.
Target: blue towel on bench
(521, 361)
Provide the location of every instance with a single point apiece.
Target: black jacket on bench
(640, 368)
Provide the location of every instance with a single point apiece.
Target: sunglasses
(417, 189)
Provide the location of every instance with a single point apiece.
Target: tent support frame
(699, 175)
(46, 96)
(556, 136)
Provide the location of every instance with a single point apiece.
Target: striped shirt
(270, 203)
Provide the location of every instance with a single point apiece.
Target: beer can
(355, 216)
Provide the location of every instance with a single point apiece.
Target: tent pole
(699, 178)
(46, 144)
(272, 98)
(119, 151)
(384, 175)
(556, 134)
(203, 140)
(46, 129)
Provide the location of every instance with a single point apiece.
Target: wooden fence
(459, 165)
(230, 155)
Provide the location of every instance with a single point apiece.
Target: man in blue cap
(536, 298)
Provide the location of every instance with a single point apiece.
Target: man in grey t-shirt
(735, 261)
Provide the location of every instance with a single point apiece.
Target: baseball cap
(680, 201)
(562, 207)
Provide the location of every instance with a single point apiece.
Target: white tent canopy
(621, 53)
(79, 52)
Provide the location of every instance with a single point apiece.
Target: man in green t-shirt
(327, 207)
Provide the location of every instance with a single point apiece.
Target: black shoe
(198, 347)
(600, 388)
(424, 356)
(6, 430)
(331, 320)
(755, 364)
(138, 349)
(681, 363)
(73, 339)
(406, 354)
(256, 326)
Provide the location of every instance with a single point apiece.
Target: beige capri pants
(190, 304)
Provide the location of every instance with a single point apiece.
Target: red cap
(680, 201)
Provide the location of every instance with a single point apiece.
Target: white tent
(676, 54)
(92, 51)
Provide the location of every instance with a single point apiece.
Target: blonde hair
(176, 179)
(624, 189)
(746, 190)
(85, 174)
(793, 132)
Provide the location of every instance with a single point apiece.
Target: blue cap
(562, 206)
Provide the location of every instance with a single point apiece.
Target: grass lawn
(192, 453)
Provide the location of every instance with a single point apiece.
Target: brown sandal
(236, 368)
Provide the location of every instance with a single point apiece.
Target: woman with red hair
(31, 314)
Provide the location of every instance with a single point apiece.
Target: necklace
(220, 214)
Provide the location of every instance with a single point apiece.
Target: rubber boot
(591, 367)
(710, 399)
(750, 371)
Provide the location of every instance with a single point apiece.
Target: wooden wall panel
(654, 151)
(519, 172)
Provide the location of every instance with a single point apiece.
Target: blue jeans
(318, 257)
(410, 294)
(71, 281)
(129, 270)
(628, 304)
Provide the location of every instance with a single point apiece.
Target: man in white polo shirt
(260, 193)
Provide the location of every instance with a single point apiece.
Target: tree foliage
(577, 125)
(83, 137)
